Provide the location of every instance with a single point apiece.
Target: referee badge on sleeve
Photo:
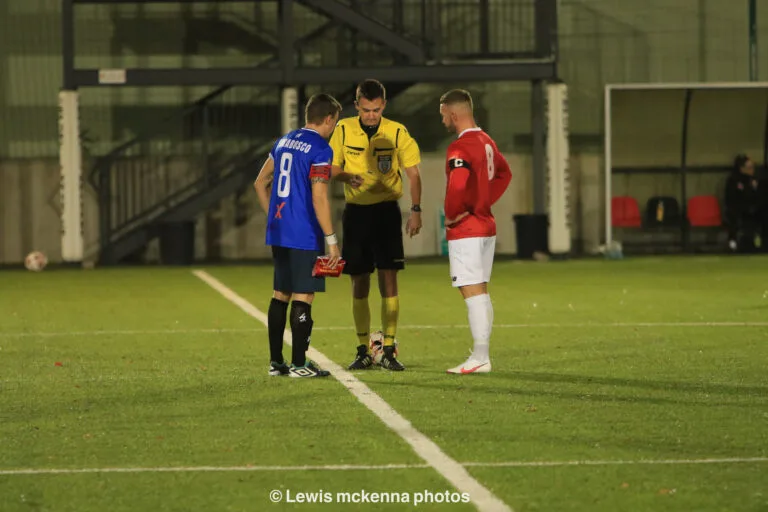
(384, 163)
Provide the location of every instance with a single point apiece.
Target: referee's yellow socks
(362, 316)
(390, 311)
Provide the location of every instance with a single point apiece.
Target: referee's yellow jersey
(379, 160)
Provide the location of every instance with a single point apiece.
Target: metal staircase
(179, 169)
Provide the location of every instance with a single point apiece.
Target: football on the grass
(35, 261)
(377, 346)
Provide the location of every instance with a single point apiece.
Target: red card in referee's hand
(323, 268)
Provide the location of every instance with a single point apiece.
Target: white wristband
(331, 239)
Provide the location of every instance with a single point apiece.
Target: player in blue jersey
(298, 219)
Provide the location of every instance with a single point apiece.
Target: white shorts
(471, 260)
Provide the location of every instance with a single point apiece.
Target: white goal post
(612, 89)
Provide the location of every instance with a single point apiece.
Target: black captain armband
(454, 163)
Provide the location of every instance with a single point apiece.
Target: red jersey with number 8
(477, 176)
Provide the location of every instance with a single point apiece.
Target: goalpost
(688, 89)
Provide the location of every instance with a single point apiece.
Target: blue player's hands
(334, 255)
(356, 181)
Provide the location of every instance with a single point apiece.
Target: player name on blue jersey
(292, 222)
(298, 145)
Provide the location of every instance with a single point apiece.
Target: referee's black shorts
(373, 238)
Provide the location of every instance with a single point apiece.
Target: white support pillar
(558, 157)
(70, 161)
(289, 110)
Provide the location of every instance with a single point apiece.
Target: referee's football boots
(389, 359)
(363, 360)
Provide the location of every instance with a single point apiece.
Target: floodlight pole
(68, 44)
(286, 50)
(752, 40)
(546, 44)
(289, 104)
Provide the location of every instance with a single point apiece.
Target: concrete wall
(30, 211)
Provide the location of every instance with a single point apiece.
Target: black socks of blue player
(276, 318)
(301, 328)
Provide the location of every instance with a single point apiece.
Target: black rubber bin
(532, 233)
(177, 243)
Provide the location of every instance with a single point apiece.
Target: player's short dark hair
(370, 89)
(456, 96)
(319, 107)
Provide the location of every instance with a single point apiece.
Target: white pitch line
(449, 468)
(378, 467)
(211, 469)
(661, 324)
(139, 332)
(572, 325)
(126, 332)
(560, 463)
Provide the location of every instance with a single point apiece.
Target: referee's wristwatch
(416, 208)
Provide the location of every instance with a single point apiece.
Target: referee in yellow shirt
(370, 153)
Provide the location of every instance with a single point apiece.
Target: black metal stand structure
(404, 57)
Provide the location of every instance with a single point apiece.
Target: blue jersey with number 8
(298, 157)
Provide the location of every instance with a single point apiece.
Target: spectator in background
(742, 206)
(762, 189)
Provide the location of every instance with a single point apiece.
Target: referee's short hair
(370, 89)
(456, 96)
(319, 107)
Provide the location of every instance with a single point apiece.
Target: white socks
(480, 312)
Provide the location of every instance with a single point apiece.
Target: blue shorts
(293, 271)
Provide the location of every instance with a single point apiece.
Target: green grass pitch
(637, 385)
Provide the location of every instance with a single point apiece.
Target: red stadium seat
(625, 212)
(704, 211)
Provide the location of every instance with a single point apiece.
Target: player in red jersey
(477, 176)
